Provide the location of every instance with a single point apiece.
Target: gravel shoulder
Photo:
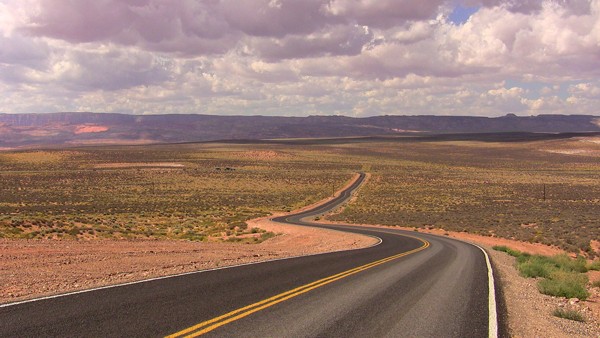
(530, 312)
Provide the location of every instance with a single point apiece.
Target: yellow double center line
(209, 325)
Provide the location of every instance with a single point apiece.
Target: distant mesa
(81, 128)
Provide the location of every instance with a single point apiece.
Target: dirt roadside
(35, 268)
(530, 312)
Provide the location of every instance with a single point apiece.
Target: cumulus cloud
(18, 50)
(585, 90)
(338, 40)
(383, 13)
(530, 6)
(358, 57)
(183, 27)
(274, 18)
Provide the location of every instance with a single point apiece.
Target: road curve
(410, 285)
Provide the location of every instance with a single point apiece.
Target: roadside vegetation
(569, 314)
(561, 275)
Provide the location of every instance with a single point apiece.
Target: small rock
(573, 301)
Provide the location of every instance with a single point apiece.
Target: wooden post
(544, 192)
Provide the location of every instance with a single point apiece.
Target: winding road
(408, 285)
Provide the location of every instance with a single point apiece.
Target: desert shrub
(561, 275)
(565, 284)
(536, 266)
(569, 314)
(566, 263)
(74, 231)
(266, 235)
(595, 265)
(504, 248)
(523, 257)
(596, 284)
(543, 266)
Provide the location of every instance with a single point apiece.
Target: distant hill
(54, 129)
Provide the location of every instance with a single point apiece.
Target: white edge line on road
(492, 306)
(379, 241)
(493, 314)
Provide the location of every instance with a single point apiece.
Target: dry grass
(488, 189)
(129, 192)
(491, 189)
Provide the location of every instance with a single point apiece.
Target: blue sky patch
(461, 14)
(534, 89)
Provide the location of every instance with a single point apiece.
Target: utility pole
(544, 192)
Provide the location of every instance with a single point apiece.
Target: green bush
(565, 284)
(536, 266)
(504, 248)
(266, 235)
(595, 265)
(543, 266)
(568, 264)
(523, 257)
(569, 314)
(562, 275)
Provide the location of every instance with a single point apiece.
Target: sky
(301, 57)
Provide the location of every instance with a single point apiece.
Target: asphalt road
(409, 285)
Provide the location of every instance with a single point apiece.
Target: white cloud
(299, 57)
(587, 90)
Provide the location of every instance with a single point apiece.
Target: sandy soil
(590, 139)
(570, 151)
(532, 248)
(587, 146)
(33, 268)
(139, 165)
